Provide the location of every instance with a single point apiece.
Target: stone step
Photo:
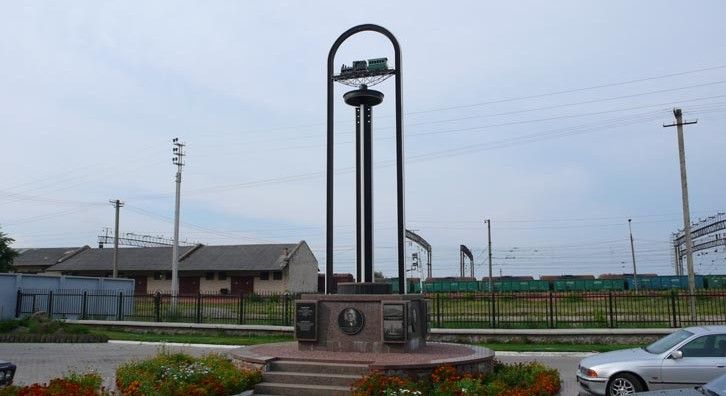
(287, 377)
(318, 367)
(268, 388)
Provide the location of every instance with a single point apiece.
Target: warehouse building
(233, 269)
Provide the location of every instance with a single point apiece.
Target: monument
(364, 323)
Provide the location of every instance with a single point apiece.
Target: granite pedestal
(380, 323)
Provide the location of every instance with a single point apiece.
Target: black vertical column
(367, 155)
(358, 197)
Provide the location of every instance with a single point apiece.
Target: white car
(716, 387)
(687, 358)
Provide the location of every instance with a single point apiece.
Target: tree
(7, 254)
(378, 276)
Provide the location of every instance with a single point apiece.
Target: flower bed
(520, 379)
(180, 374)
(73, 384)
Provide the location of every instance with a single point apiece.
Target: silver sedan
(686, 358)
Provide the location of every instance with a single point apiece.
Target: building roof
(45, 257)
(129, 259)
(261, 257)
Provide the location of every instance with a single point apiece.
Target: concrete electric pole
(116, 204)
(632, 252)
(178, 160)
(489, 249)
(686, 211)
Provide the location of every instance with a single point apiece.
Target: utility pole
(686, 211)
(116, 204)
(178, 160)
(489, 249)
(632, 252)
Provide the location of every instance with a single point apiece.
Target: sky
(546, 118)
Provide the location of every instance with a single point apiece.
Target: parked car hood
(623, 355)
(4, 362)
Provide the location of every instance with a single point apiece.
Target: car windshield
(668, 342)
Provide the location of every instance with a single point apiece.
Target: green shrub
(7, 326)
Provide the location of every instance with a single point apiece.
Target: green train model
(362, 66)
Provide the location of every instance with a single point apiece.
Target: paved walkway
(41, 362)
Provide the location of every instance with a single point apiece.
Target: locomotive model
(361, 66)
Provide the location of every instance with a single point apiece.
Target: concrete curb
(544, 354)
(289, 329)
(175, 325)
(553, 332)
(161, 343)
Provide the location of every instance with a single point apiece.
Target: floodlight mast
(399, 156)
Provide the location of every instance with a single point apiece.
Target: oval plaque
(351, 321)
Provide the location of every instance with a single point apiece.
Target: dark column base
(364, 288)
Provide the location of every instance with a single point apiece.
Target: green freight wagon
(665, 282)
(535, 285)
(715, 281)
(469, 286)
(518, 286)
(604, 285)
(413, 286)
(569, 285)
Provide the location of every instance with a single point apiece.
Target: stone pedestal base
(366, 323)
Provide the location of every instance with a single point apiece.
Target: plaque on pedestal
(351, 321)
(306, 320)
(394, 322)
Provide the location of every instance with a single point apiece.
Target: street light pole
(632, 252)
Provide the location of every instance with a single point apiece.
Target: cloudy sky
(545, 117)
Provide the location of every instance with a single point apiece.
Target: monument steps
(268, 388)
(304, 378)
(310, 378)
(300, 366)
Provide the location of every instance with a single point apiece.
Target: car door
(704, 358)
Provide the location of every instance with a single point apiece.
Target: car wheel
(624, 384)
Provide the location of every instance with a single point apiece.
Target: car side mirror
(676, 355)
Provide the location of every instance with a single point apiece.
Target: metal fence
(267, 309)
(445, 310)
(575, 310)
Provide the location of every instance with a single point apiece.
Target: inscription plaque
(394, 322)
(351, 321)
(306, 320)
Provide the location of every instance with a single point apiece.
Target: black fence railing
(446, 310)
(575, 309)
(251, 308)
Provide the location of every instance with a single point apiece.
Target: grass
(40, 326)
(192, 338)
(518, 347)
(264, 339)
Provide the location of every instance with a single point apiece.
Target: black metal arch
(418, 239)
(464, 251)
(399, 154)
